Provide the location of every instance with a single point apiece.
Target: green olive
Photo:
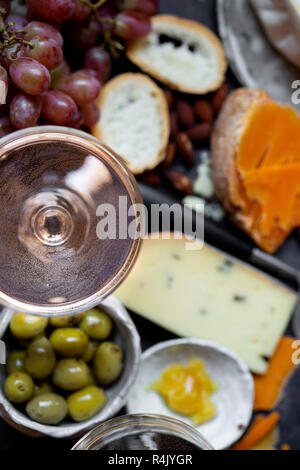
(27, 326)
(40, 358)
(91, 378)
(15, 362)
(69, 342)
(89, 351)
(63, 322)
(48, 408)
(41, 388)
(18, 387)
(108, 362)
(96, 324)
(86, 402)
(71, 374)
(24, 343)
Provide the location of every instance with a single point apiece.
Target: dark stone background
(205, 12)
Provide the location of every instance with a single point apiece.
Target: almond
(200, 132)
(219, 97)
(151, 178)
(185, 148)
(170, 98)
(170, 154)
(204, 110)
(180, 181)
(185, 113)
(173, 124)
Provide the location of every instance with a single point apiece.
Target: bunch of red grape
(37, 84)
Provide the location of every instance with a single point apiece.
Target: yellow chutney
(186, 390)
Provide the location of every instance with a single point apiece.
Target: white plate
(233, 399)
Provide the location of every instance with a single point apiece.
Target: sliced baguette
(225, 140)
(134, 120)
(195, 64)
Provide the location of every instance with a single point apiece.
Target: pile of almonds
(191, 122)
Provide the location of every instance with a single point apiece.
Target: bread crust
(224, 141)
(163, 111)
(132, 47)
(224, 145)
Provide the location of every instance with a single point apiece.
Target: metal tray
(253, 59)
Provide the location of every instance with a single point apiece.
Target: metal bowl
(233, 399)
(126, 335)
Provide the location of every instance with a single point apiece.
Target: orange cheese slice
(268, 387)
(267, 171)
(276, 190)
(260, 428)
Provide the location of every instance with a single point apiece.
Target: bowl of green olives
(64, 375)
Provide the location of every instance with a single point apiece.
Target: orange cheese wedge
(260, 428)
(256, 165)
(268, 387)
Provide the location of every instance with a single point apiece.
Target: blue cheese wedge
(206, 294)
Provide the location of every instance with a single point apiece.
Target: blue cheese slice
(206, 294)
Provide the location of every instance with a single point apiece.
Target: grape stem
(95, 5)
(8, 37)
(114, 45)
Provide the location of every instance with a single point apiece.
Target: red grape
(59, 72)
(19, 23)
(25, 110)
(98, 59)
(52, 10)
(91, 114)
(43, 30)
(107, 12)
(34, 17)
(76, 120)
(93, 73)
(11, 53)
(5, 126)
(149, 7)
(80, 12)
(132, 25)
(85, 35)
(30, 76)
(46, 51)
(82, 87)
(57, 107)
(3, 85)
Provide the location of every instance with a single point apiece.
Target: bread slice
(255, 151)
(134, 120)
(183, 54)
(225, 140)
